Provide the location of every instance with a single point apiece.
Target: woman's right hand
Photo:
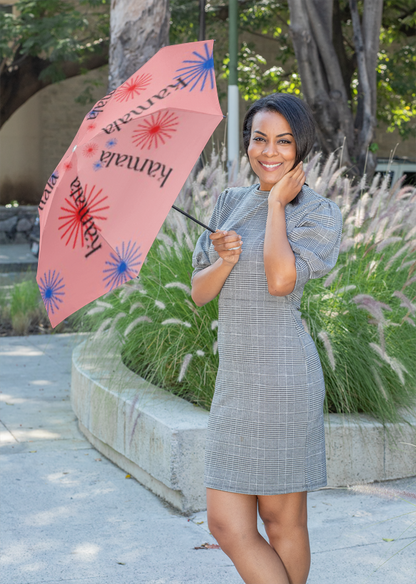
(228, 245)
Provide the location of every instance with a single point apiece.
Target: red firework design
(90, 150)
(67, 165)
(159, 128)
(91, 126)
(78, 214)
(133, 87)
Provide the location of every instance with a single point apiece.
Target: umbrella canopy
(108, 197)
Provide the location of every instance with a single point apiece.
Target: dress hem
(267, 492)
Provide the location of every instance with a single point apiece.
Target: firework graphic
(158, 128)
(198, 70)
(90, 149)
(123, 267)
(51, 291)
(111, 143)
(97, 165)
(79, 215)
(91, 126)
(67, 165)
(133, 87)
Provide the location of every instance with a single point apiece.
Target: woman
(265, 442)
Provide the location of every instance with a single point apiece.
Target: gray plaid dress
(266, 428)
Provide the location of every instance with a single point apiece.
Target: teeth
(270, 165)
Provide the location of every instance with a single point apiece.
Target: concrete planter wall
(165, 452)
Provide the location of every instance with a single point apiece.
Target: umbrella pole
(193, 219)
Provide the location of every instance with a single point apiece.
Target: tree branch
(18, 84)
(326, 49)
(371, 24)
(347, 65)
(368, 122)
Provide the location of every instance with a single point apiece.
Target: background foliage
(56, 30)
(61, 31)
(269, 20)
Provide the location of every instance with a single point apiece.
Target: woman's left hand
(288, 187)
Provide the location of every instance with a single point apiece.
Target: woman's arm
(207, 283)
(279, 259)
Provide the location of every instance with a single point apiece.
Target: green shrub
(361, 315)
(23, 312)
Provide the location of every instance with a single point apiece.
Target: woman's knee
(283, 515)
(232, 517)
(225, 530)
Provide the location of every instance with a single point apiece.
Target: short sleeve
(315, 241)
(200, 258)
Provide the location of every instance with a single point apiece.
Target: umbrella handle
(193, 219)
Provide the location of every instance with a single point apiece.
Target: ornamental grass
(361, 315)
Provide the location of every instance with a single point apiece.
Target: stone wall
(16, 223)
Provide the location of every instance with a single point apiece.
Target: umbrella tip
(74, 148)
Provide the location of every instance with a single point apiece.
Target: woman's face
(272, 148)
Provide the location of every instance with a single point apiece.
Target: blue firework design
(97, 165)
(51, 291)
(124, 265)
(198, 70)
(110, 143)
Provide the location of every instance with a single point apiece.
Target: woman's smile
(270, 167)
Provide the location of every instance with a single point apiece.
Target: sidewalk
(70, 515)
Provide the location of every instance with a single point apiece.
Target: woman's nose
(270, 150)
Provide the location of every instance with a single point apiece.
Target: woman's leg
(232, 520)
(285, 520)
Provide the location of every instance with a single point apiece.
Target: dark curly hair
(297, 114)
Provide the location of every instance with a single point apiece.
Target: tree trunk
(139, 28)
(322, 68)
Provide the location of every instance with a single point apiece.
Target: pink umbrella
(108, 197)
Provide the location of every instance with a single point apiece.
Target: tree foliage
(270, 20)
(44, 41)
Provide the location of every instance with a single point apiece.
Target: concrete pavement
(70, 515)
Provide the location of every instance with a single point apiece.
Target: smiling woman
(265, 444)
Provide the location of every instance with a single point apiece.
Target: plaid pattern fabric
(266, 428)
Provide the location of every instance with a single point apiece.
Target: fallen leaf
(387, 539)
(7, 404)
(97, 458)
(208, 546)
(199, 522)
(128, 476)
(121, 563)
(32, 450)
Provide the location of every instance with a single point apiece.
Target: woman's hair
(297, 114)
